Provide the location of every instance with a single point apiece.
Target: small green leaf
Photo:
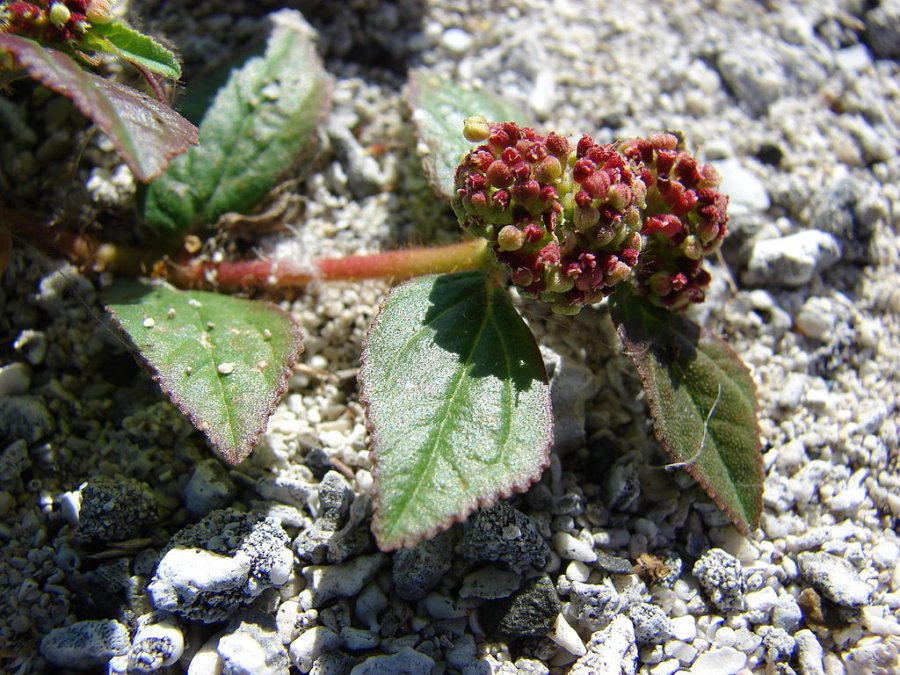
(439, 108)
(223, 361)
(130, 45)
(146, 132)
(263, 123)
(458, 404)
(703, 403)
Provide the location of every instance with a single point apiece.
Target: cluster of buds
(56, 21)
(684, 220)
(571, 223)
(565, 220)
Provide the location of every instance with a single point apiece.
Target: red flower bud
(582, 169)
(557, 145)
(499, 174)
(597, 185)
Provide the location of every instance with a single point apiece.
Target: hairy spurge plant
(458, 402)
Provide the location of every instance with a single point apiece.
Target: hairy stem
(178, 268)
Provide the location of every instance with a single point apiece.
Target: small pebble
(310, 645)
(157, 643)
(719, 573)
(407, 661)
(834, 578)
(611, 651)
(719, 661)
(791, 261)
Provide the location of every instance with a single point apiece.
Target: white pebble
(15, 379)
(456, 41)
(578, 571)
(225, 368)
(684, 628)
(567, 637)
(682, 651)
(570, 548)
(666, 667)
(721, 661)
(724, 637)
(762, 600)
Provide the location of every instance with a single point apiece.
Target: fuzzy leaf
(130, 45)
(261, 124)
(223, 361)
(439, 108)
(458, 404)
(703, 403)
(146, 132)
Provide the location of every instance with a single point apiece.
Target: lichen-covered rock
(720, 575)
(611, 651)
(594, 605)
(115, 509)
(651, 625)
(211, 569)
(834, 578)
(85, 644)
(417, 570)
(503, 534)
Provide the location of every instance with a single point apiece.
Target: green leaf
(458, 404)
(130, 45)
(223, 361)
(146, 133)
(262, 124)
(703, 403)
(439, 108)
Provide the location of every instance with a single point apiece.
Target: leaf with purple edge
(223, 361)
(458, 404)
(702, 399)
(146, 133)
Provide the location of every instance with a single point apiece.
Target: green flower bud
(59, 14)
(476, 129)
(510, 238)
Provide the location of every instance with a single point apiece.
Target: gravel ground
(127, 548)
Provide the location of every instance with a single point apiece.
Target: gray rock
(462, 652)
(332, 663)
(835, 578)
(611, 651)
(612, 563)
(883, 29)
(407, 661)
(157, 643)
(594, 605)
(650, 623)
(530, 611)
(251, 646)
(503, 534)
(571, 384)
(341, 530)
(622, 486)
(24, 418)
(311, 644)
(417, 570)
(335, 498)
(720, 575)
(325, 583)
(209, 488)
(285, 490)
(211, 569)
(490, 583)
(15, 379)
(791, 261)
(786, 614)
(778, 644)
(745, 191)
(753, 74)
(85, 644)
(14, 461)
(838, 210)
(115, 509)
(809, 653)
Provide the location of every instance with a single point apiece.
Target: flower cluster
(570, 223)
(56, 21)
(685, 219)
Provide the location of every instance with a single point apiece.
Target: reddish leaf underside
(146, 133)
